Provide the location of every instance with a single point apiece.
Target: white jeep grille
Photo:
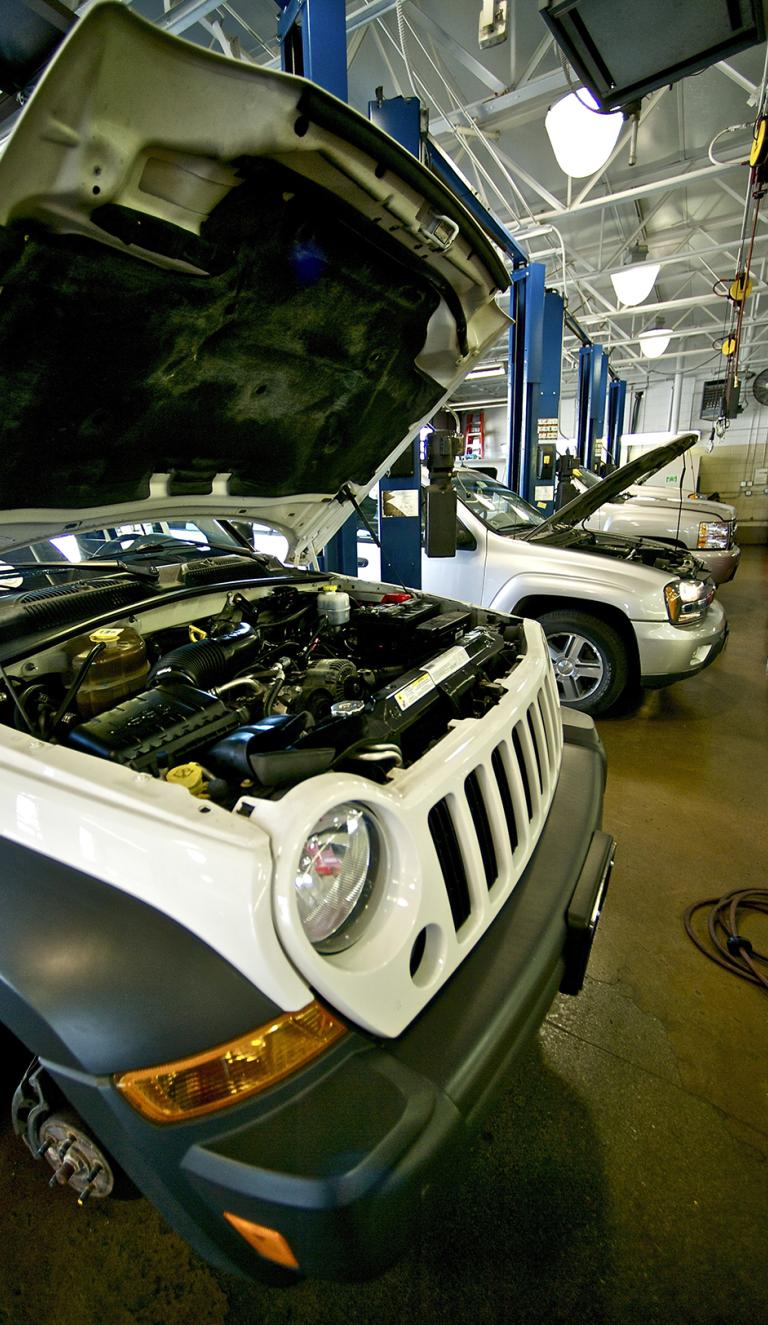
(458, 826)
(480, 833)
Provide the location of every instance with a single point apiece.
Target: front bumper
(336, 1158)
(721, 564)
(671, 653)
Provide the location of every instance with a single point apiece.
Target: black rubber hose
(731, 949)
(76, 685)
(208, 662)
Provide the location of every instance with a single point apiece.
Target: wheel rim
(579, 667)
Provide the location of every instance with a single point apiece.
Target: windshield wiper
(76, 568)
(131, 564)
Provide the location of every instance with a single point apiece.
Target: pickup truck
(706, 527)
(291, 866)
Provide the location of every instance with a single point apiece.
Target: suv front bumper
(336, 1158)
(671, 653)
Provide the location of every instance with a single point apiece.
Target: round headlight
(337, 872)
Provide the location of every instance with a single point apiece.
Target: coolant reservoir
(119, 670)
(333, 606)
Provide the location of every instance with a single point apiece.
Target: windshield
(498, 508)
(129, 542)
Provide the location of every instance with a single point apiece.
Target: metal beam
(627, 195)
(360, 18)
(726, 188)
(647, 310)
(690, 256)
(624, 138)
(523, 175)
(494, 110)
(184, 15)
(659, 237)
(685, 332)
(535, 60)
(627, 364)
(736, 77)
(457, 51)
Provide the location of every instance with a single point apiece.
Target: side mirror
(465, 541)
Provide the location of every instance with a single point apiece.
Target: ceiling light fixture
(654, 340)
(636, 279)
(582, 138)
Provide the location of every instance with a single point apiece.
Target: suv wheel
(589, 659)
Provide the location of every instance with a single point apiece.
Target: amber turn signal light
(266, 1241)
(231, 1072)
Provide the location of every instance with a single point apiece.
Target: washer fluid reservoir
(333, 606)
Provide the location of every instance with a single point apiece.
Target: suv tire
(589, 658)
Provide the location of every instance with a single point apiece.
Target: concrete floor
(623, 1177)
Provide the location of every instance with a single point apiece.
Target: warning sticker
(448, 663)
(414, 691)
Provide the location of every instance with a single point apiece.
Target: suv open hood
(224, 293)
(611, 487)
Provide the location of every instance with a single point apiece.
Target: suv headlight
(336, 876)
(713, 534)
(687, 600)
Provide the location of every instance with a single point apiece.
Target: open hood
(611, 487)
(224, 293)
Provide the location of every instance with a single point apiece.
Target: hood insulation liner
(289, 365)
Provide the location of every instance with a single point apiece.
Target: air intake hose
(206, 663)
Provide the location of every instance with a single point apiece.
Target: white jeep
(290, 867)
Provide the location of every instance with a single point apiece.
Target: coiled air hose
(730, 949)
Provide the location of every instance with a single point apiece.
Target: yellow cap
(191, 776)
(106, 634)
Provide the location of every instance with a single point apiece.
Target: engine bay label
(449, 662)
(414, 691)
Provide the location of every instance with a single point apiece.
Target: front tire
(589, 659)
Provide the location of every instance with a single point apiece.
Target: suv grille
(479, 834)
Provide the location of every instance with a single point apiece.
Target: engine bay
(651, 552)
(252, 691)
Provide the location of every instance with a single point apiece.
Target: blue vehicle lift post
(535, 355)
(617, 400)
(313, 42)
(593, 385)
(401, 118)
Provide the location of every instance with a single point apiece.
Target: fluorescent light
(486, 370)
(655, 340)
(635, 281)
(582, 140)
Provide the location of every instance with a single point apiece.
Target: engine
(271, 690)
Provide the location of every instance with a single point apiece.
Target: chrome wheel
(579, 666)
